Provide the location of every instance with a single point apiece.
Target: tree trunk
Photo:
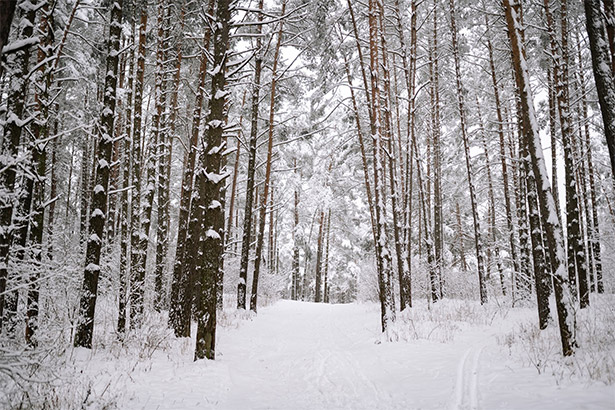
(17, 64)
(180, 311)
(7, 11)
(137, 277)
(85, 328)
(265, 196)
(326, 263)
(576, 254)
(247, 216)
(604, 72)
(295, 275)
(163, 154)
(384, 260)
(125, 205)
(210, 181)
(318, 285)
(548, 212)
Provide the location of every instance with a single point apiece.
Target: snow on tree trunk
(137, 277)
(210, 181)
(125, 197)
(550, 219)
(250, 183)
(604, 73)
(85, 328)
(383, 254)
(182, 285)
(162, 154)
(265, 196)
(17, 70)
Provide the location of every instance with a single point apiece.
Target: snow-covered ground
(297, 355)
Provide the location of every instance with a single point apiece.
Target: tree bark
(265, 196)
(182, 287)
(250, 183)
(549, 215)
(85, 328)
(210, 181)
(604, 74)
(17, 64)
(137, 277)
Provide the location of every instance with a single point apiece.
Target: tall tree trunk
(210, 181)
(137, 277)
(548, 212)
(326, 262)
(434, 98)
(394, 184)
(295, 275)
(124, 198)
(163, 154)
(85, 328)
(318, 284)
(542, 276)
(384, 259)
(265, 196)
(247, 216)
(40, 134)
(180, 311)
(17, 66)
(576, 254)
(604, 71)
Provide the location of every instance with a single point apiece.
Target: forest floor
(298, 355)
(307, 356)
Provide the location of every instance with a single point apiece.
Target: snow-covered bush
(594, 358)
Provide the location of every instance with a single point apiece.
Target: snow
(220, 94)
(20, 44)
(212, 234)
(299, 355)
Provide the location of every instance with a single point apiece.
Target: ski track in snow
(306, 356)
(466, 388)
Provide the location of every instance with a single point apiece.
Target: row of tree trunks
(464, 134)
(183, 282)
(549, 216)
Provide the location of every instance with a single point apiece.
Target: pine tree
(210, 179)
(550, 219)
(83, 336)
(599, 43)
(17, 64)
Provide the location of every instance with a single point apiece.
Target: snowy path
(296, 355)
